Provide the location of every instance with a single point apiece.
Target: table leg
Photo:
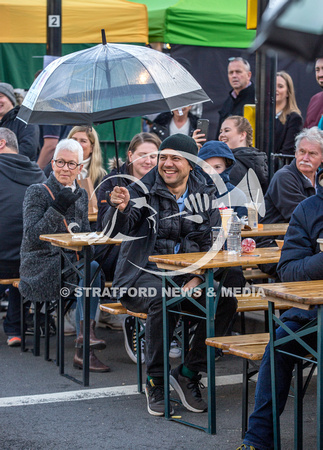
(211, 307)
(86, 315)
(60, 315)
(319, 378)
(275, 407)
(166, 351)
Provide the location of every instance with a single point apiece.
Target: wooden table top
(210, 260)
(77, 241)
(301, 294)
(267, 229)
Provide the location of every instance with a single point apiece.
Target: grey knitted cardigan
(39, 267)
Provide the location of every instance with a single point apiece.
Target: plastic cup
(217, 238)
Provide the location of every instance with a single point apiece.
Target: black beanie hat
(181, 143)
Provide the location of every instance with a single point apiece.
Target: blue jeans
(94, 299)
(260, 431)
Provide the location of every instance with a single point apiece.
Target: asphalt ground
(40, 409)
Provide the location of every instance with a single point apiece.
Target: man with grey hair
(296, 181)
(242, 93)
(27, 135)
(292, 184)
(17, 173)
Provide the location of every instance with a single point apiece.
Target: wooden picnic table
(266, 229)
(305, 295)
(199, 263)
(78, 242)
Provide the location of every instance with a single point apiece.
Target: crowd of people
(158, 200)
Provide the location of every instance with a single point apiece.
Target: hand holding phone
(203, 126)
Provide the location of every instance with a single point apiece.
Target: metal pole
(266, 67)
(54, 28)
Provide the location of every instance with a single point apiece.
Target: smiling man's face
(173, 168)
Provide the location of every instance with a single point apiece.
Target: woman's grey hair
(70, 145)
(10, 138)
(313, 134)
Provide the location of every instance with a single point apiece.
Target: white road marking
(116, 391)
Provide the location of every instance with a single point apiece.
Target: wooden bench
(250, 347)
(254, 274)
(9, 281)
(252, 302)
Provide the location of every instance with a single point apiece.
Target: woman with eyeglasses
(288, 119)
(58, 206)
(237, 133)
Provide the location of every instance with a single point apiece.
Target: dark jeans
(11, 323)
(195, 360)
(260, 431)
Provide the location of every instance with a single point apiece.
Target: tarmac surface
(40, 409)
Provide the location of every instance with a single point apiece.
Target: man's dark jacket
(27, 135)
(17, 173)
(249, 158)
(301, 258)
(234, 106)
(162, 122)
(287, 189)
(153, 220)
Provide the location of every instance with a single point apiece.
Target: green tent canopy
(210, 23)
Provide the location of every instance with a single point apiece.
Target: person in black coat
(159, 216)
(242, 93)
(288, 120)
(301, 260)
(17, 173)
(291, 185)
(237, 133)
(27, 135)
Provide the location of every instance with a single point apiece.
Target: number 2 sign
(54, 21)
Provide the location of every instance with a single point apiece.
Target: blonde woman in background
(288, 120)
(92, 155)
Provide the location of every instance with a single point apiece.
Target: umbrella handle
(116, 151)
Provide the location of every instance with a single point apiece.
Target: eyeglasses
(70, 164)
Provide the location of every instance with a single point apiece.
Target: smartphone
(203, 125)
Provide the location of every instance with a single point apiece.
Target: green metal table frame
(207, 313)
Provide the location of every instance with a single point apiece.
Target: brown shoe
(95, 364)
(95, 343)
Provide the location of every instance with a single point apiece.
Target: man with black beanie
(161, 216)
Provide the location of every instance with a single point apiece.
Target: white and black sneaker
(130, 342)
(188, 390)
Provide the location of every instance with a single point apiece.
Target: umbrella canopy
(107, 82)
(294, 27)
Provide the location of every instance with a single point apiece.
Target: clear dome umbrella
(109, 82)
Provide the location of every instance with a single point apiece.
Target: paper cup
(226, 216)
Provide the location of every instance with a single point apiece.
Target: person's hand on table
(199, 138)
(120, 197)
(193, 283)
